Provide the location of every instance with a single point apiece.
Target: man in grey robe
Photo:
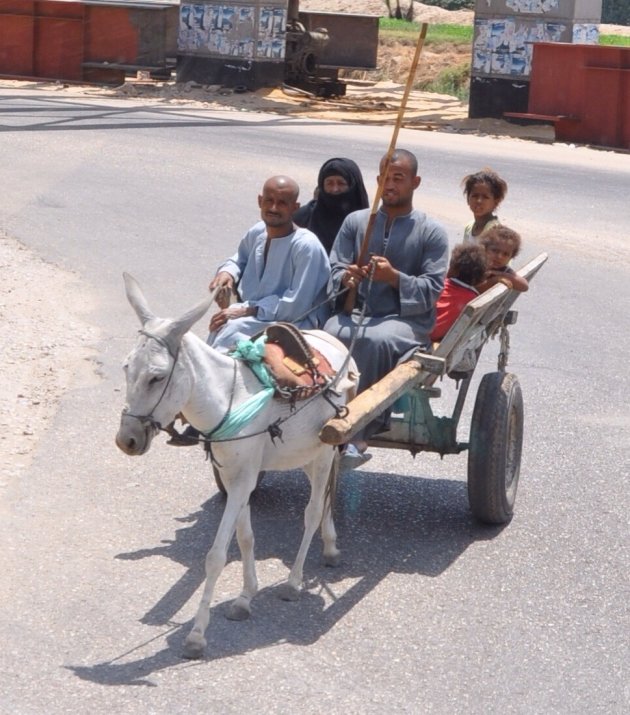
(408, 257)
(281, 271)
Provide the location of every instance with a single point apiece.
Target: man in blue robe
(408, 256)
(281, 272)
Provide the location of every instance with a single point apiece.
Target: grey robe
(286, 287)
(399, 320)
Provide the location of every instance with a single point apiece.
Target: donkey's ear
(184, 324)
(137, 299)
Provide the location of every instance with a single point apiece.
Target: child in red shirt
(466, 270)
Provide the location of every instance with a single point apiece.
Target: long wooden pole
(351, 295)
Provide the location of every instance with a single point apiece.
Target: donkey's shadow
(387, 523)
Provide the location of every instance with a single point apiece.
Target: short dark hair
(468, 263)
(405, 155)
(502, 233)
(486, 176)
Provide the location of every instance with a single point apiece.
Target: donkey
(172, 371)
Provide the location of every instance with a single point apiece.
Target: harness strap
(149, 418)
(233, 421)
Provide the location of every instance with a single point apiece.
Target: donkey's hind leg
(240, 609)
(331, 554)
(318, 472)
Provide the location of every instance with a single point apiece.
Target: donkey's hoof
(194, 646)
(287, 592)
(238, 611)
(332, 560)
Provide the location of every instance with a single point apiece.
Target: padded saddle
(298, 369)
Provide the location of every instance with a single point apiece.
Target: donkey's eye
(155, 380)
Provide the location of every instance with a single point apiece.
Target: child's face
(481, 200)
(499, 254)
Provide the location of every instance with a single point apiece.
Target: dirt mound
(421, 12)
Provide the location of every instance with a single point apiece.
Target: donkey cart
(496, 429)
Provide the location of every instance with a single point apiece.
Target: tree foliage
(396, 10)
(616, 12)
(452, 4)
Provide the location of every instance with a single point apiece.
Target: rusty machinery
(304, 52)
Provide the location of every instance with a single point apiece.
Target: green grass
(399, 29)
(454, 81)
(614, 40)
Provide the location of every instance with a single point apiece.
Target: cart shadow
(387, 524)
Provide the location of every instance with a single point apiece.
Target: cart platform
(497, 423)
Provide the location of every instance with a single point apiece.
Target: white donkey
(172, 371)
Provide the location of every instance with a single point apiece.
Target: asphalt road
(429, 612)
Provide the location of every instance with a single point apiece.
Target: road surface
(430, 612)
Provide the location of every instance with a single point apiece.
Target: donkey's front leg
(240, 609)
(319, 472)
(195, 642)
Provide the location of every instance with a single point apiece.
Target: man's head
(400, 181)
(278, 202)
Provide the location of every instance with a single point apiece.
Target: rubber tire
(496, 442)
(221, 486)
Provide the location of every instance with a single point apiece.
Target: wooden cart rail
(480, 320)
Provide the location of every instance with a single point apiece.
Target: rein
(274, 429)
(149, 418)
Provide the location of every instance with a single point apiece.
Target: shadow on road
(72, 114)
(387, 524)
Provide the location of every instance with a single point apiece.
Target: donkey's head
(158, 386)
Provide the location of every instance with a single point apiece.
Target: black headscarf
(325, 214)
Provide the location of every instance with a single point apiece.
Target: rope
(328, 299)
(355, 332)
(233, 422)
(252, 353)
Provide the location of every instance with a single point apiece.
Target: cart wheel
(221, 486)
(496, 441)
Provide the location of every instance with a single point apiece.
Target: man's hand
(353, 276)
(238, 310)
(224, 281)
(384, 272)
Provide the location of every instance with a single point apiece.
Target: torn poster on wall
(247, 31)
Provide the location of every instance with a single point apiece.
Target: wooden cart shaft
(480, 320)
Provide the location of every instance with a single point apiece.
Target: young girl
(484, 191)
(467, 268)
(501, 244)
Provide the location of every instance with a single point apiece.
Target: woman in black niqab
(325, 213)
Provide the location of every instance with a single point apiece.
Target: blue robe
(397, 321)
(287, 287)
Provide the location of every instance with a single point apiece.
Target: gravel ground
(43, 350)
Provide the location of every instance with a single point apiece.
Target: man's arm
(344, 270)
(230, 271)
(310, 273)
(419, 291)
(384, 272)
(238, 310)
(224, 281)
